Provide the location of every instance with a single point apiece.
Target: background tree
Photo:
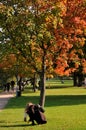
(78, 29)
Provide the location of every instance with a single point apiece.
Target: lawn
(65, 109)
(58, 83)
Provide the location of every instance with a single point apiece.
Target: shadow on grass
(51, 100)
(58, 86)
(2, 121)
(17, 125)
(62, 100)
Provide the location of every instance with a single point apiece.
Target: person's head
(28, 105)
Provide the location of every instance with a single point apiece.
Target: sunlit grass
(54, 83)
(65, 109)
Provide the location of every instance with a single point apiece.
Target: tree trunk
(75, 79)
(80, 79)
(42, 83)
(42, 90)
(34, 83)
(20, 83)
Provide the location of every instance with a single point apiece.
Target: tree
(79, 74)
(45, 33)
(32, 32)
(78, 29)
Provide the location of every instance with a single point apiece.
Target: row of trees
(43, 38)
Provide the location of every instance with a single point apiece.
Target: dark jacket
(36, 113)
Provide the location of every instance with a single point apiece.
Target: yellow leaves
(10, 11)
(1, 5)
(49, 19)
(82, 42)
(40, 36)
(47, 34)
(2, 8)
(55, 22)
(84, 32)
(80, 51)
(6, 9)
(49, 76)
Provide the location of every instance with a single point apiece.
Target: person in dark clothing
(8, 86)
(38, 115)
(12, 85)
(35, 113)
(5, 87)
(30, 112)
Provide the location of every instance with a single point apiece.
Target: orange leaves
(73, 32)
(62, 71)
(79, 22)
(74, 57)
(61, 65)
(5, 64)
(8, 61)
(79, 32)
(84, 65)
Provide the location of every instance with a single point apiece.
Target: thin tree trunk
(42, 90)
(42, 83)
(20, 83)
(34, 83)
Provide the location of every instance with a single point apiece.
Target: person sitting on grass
(35, 113)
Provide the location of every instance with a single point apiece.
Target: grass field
(57, 83)
(65, 109)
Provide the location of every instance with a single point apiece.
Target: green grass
(65, 109)
(56, 83)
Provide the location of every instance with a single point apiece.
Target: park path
(4, 98)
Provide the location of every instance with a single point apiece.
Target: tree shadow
(16, 125)
(51, 100)
(2, 121)
(20, 102)
(62, 100)
(57, 86)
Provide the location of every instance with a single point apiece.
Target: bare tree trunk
(80, 79)
(20, 83)
(34, 83)
(75, 79)
(42, 83)
(42, 90)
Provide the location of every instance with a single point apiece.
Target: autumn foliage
(71, 36)
(50, 36)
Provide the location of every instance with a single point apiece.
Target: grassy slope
(65, 110)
